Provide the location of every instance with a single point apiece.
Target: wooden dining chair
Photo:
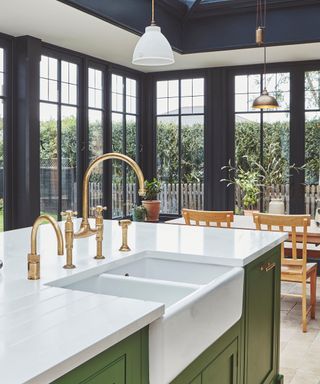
(207, 217)
(293, 268)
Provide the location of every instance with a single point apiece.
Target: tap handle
(124, 223)
(69, 214)
(99, 210)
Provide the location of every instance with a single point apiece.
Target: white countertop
(46, 331)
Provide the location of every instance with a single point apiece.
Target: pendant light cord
(152, 13)
(261, 22)
(264, 43)
(265, 67)
(258, 16)
(261, 17)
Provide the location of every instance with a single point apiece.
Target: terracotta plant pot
(250, 212)
(153, 209)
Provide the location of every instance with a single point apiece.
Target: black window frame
(179, 75)
(8, 147)
(127, 75)
(61, 56)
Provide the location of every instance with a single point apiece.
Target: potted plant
(248, 182)
(150, 202)
(274, 172)
(139, 213)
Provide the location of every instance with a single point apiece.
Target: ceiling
(193, 26)
(59, 24)
(203, 8)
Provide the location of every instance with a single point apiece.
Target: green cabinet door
(262, 319)
(197, 380)
(223, 370)
(113, 374)
(124, 363)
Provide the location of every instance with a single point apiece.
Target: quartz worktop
(47, 331)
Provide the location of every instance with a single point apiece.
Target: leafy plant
(248, 182)
(152, 188)
(139, 213)
(275, 170)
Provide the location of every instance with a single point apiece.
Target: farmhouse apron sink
(202, 301)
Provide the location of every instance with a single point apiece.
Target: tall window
(95, 124)
(262, 136)
(58, 135)
(2, 105)
(124, 137)
(312, 140)
(180, 143)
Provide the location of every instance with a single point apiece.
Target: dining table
(246, 222)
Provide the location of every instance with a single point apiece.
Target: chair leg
(313, 293)
(304, 307)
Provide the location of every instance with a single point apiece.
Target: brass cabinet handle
(267, 267)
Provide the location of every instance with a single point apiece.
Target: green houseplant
(139, 213)
(274, 171)
(151, 202)
(248, 182)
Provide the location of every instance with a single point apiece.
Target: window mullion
(59, 140)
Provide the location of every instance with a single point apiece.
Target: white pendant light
(153, 48)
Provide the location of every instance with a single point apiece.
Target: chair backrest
(287, 223)
(207, 217)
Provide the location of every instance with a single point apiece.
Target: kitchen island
(48, 329)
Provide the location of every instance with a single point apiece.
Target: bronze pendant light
(264, 101)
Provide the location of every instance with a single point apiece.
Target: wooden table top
(246, 222)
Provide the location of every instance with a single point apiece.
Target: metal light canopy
(153, 48)
(264, 101)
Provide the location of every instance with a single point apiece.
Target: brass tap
(99, 226)
(124, 224)
(69, 234)
(33, 257)
(85, 229)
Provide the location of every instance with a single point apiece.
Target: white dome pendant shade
(153, 48)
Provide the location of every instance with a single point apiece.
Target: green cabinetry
(124, 363)
(262, 319)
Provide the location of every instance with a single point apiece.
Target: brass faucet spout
(33, 257)
(42, 219)
(85, 229)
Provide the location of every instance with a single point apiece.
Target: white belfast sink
(191, 325)
(202, 301)
(159, 268)
(113, 285)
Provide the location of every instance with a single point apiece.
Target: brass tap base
(99, 257)
(33, 266)
(69, 266)
(124, 248)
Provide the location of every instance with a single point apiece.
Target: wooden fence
(192, 196)
(312, 196)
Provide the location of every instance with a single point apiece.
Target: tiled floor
(300, 352)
